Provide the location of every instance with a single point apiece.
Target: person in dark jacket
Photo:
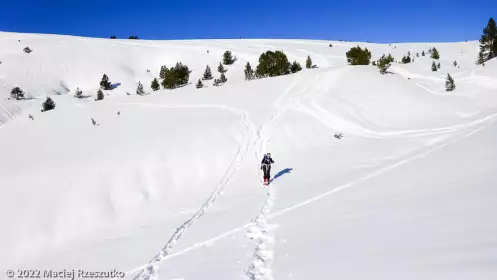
(266, 167)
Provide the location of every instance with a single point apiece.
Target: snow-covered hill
(408, 193)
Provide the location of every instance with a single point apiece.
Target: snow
(171, 187)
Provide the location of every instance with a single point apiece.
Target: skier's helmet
(268, 154)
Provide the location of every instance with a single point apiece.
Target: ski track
(261, 232)
(326, 194)
(334, 122)
(149, 270)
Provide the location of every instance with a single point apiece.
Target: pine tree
(207, 73)
(406, 59)
(423, 53)
(383, 64)
(308, 63)
(358, 56)
(221, 69)
(481, 59)
(434, 67)
(450, 85)
(105, 83)
(48, 105)
(78, 93)
(17, 93)
(272, 64)
(223, 78)
(139, 89)
(295, 67)
(390, 58)
(155, 84)
(199, 84)
(488, 42)
(435, 54)
(100, 95)
(455, 63)
(249, 72)
(163, 71)
(438, 65)
(228, 58)
(216, 82)
(417, 54)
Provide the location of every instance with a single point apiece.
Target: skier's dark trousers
(266, 166)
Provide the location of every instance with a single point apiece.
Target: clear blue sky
(356, 20)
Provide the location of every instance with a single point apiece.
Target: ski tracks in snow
(149, 270)
(261, 232)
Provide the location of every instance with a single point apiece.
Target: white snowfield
(171, 187)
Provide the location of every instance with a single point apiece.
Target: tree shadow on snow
(113, 86)
(281, 173)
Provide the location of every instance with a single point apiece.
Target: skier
(266, 167)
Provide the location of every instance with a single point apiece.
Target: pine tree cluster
(174, 76)
(358, 56)
(295, 67)
(272, 64)
(488, 42)
(434, 53)
(406, 59)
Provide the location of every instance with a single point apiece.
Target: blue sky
(355, 20)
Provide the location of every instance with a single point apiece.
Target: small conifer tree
(139, 89)
(308, 63)
(207, 73)
(100, 95)
(249, 72)
(48, 105)
(199, 84)
(433, 66)
(450, 85)
(155, 85)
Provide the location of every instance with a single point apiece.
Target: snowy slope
(409, 192)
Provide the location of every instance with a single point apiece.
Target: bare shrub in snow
(27, 50)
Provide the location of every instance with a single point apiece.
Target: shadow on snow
(281, 173)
